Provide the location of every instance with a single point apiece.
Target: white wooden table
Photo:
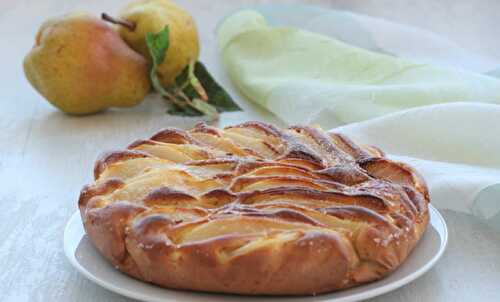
(46, 157)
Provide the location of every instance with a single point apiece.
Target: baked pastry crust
(254, 209)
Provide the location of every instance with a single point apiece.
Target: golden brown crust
(254, 209)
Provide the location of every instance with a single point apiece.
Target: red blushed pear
(81, 65)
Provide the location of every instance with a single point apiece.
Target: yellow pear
(81, 65)
(152, 16)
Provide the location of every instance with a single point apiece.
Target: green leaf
(158, 44)
(184, 98)
(205, 107)
(217, 96)
(186, 111)
(193, 80)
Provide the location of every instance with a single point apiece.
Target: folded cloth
(437, 112)
(455, 147)
(305, 77)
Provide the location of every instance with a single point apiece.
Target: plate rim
(69, 252)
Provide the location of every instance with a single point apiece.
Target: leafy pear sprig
(195, 92)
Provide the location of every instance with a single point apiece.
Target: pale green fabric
(454, 146)
(304, 77)
(431, 114)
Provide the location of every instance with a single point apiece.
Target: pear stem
(127, 24)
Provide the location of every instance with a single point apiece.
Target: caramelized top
(258, 183)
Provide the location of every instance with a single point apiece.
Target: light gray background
(45, 156)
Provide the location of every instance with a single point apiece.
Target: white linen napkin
(456, 147)
(418, 96)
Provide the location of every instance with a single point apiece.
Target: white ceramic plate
(82, 255)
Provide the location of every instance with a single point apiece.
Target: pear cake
(254, 209)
